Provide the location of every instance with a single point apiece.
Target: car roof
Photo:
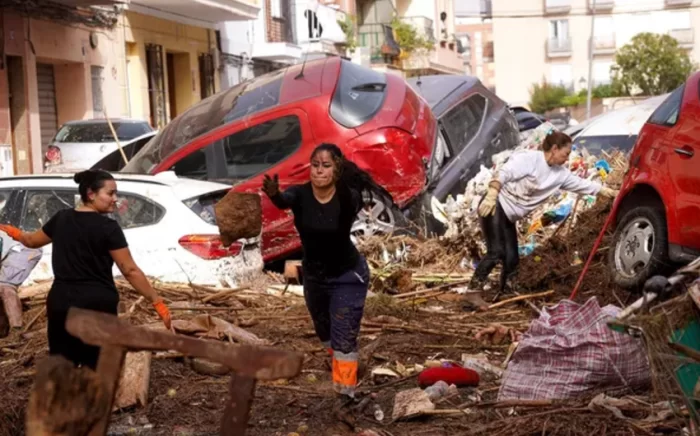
(627, 120)
(104, 120)
(183, 188)
(439, 88)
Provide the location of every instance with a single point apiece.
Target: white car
(85, 144)
(614, 130)
(168, 222)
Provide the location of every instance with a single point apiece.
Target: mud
(239, 216)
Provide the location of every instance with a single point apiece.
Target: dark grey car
(473, 125)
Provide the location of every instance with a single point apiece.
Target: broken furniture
(116, 337)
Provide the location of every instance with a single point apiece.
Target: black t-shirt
(81, 245)
(324, 229)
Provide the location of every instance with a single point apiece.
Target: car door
(683, 160)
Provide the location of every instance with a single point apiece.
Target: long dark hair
(349, 175)
(91, 180)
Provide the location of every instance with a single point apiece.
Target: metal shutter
(47, 103)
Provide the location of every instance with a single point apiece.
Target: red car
(420, 139)
(272, 123)
(659, 206)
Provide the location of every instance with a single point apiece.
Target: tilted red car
(659, 205)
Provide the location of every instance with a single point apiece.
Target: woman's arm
(577, 185)
(133, 274)
(281, 200)
(36, 239)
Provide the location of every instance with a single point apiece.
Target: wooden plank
(237, 410)
(109, 368)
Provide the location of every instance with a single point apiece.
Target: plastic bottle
(437, 391)
(378, 413)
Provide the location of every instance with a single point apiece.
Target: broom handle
(608, 220)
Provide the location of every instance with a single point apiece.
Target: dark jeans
(336, 306)
(60, 299)
(501, 245)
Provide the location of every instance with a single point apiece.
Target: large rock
(239, 216)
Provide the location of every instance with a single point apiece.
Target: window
(254, 150)
(667, 113)
(97, 100)
(203, 206)
(462, 122)
(559, 29)
(99, 132)
(41, 205)
(440, 156)
(359, 95)
(132, 210)
(598, 144)
(135, 211)
(194, 165)
(276, 8)
(5, 198)
(561, 74)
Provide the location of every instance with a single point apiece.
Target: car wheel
(377, 219)
(640, 247)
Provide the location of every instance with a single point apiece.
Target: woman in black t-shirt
(86, 243)
(336, 276)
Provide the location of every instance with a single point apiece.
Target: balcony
(554, 7)
(604, 44)
(441, 60)
(685, 37)
(210, 11)
(380, 40)
(559, 47)
(678, 2)
(601, 5)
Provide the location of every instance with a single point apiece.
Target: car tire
(639, 249)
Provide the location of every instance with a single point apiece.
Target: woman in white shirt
(526, 181)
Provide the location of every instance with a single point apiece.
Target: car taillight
(53, 155)
(209, 247)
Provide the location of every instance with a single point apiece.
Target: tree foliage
(407, 37)
(652, 64)
(348, 28)
(544, 97)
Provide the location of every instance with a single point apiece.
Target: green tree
(545, 97)
(652, 64)
(407, 37)
(348, 28)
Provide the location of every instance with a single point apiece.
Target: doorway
(19, 115)
(172, 90)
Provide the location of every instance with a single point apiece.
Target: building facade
(554, 38)
(476, 37)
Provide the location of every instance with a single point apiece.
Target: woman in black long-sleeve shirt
(336, 276)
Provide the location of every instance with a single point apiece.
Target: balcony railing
(424, 26)
(557, 6)
(604, 44)
(601, 5)
(685, 37)
(380, 40)
(558, 47)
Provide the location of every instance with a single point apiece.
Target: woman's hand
(271, 186)
(608, 192)
(488, 204)
(12, 231)
(163, 312)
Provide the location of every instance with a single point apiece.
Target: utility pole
(591, 46)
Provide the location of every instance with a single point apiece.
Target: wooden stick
(520, 298)
(33, 320)
(512, 403)
(116, 138)
(224, 293)
(429, 290)
(693, 354)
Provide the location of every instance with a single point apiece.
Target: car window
(462, 122)
(203, 205)
(254, 150)
(441, 156)
(135, 211)
(608, 143)
(667, 113)
(5, 196)
(100, 132)
(193, 166)
(358, 96)
(40, 205)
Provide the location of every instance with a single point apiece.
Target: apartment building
(284, 33)
(537, 40)
(476, 37)
(433, 20)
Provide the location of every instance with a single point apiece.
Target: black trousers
(501, 246)
(60, 299)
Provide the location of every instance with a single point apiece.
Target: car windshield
(596, 144)
(233, 104)
(100, 132)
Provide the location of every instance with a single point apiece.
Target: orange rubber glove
(163, 312)
(12, 231)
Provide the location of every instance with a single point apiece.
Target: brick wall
(276, 27)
